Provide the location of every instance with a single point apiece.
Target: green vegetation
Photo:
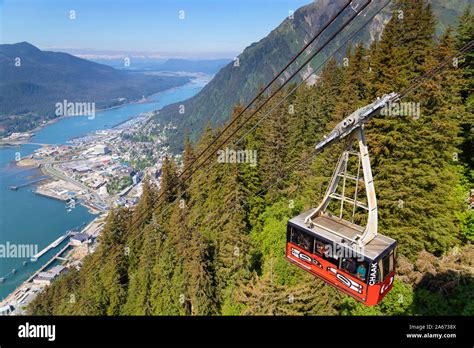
(118, 184)
(141, 163)
(221, 249)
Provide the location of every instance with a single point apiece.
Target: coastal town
(99, 171)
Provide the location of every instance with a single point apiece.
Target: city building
(100, 149)
(49, 276)
(6, 310)
(79, 239)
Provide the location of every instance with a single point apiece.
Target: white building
(6, 310)
(48, 276)
(79, 239)
(103, 191)
(100, 149)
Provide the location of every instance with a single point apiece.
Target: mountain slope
(31, 86)
(259, 62)
(223, 250)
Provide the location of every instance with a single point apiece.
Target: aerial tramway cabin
(333, 258)
(339, 241)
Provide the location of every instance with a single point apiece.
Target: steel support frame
(370, 230)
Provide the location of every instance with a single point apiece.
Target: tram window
(356, 268)
(303, 240)
(362, 270)
(387, 265)
(319, 247)
(379, 272)
(329, 254)
(349, 265)
(392, 262)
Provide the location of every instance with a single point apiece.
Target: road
(49, 169)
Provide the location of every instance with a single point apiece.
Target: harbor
(76, 246)
(77, 187)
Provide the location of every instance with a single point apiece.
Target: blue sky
(210, 27)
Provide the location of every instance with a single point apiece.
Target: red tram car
(332, 258)
(353, 258)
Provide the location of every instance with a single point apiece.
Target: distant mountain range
(33, 81)
(208, 66)
(261, 60)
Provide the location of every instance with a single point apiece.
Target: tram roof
(323, 225)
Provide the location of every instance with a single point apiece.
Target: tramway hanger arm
(355, 120)
(352, 128)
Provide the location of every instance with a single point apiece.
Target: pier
(56, 256)
(51, 246)
(14, 188)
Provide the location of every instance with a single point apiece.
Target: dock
(42, 268)
(51, 246)
(47, 194)
(16, 187)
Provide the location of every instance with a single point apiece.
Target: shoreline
(26, 163)
(38, 191)
(4, 141)
(11, 297)
(38, 128)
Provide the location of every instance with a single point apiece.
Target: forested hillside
(260, 61)
(220, 248)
